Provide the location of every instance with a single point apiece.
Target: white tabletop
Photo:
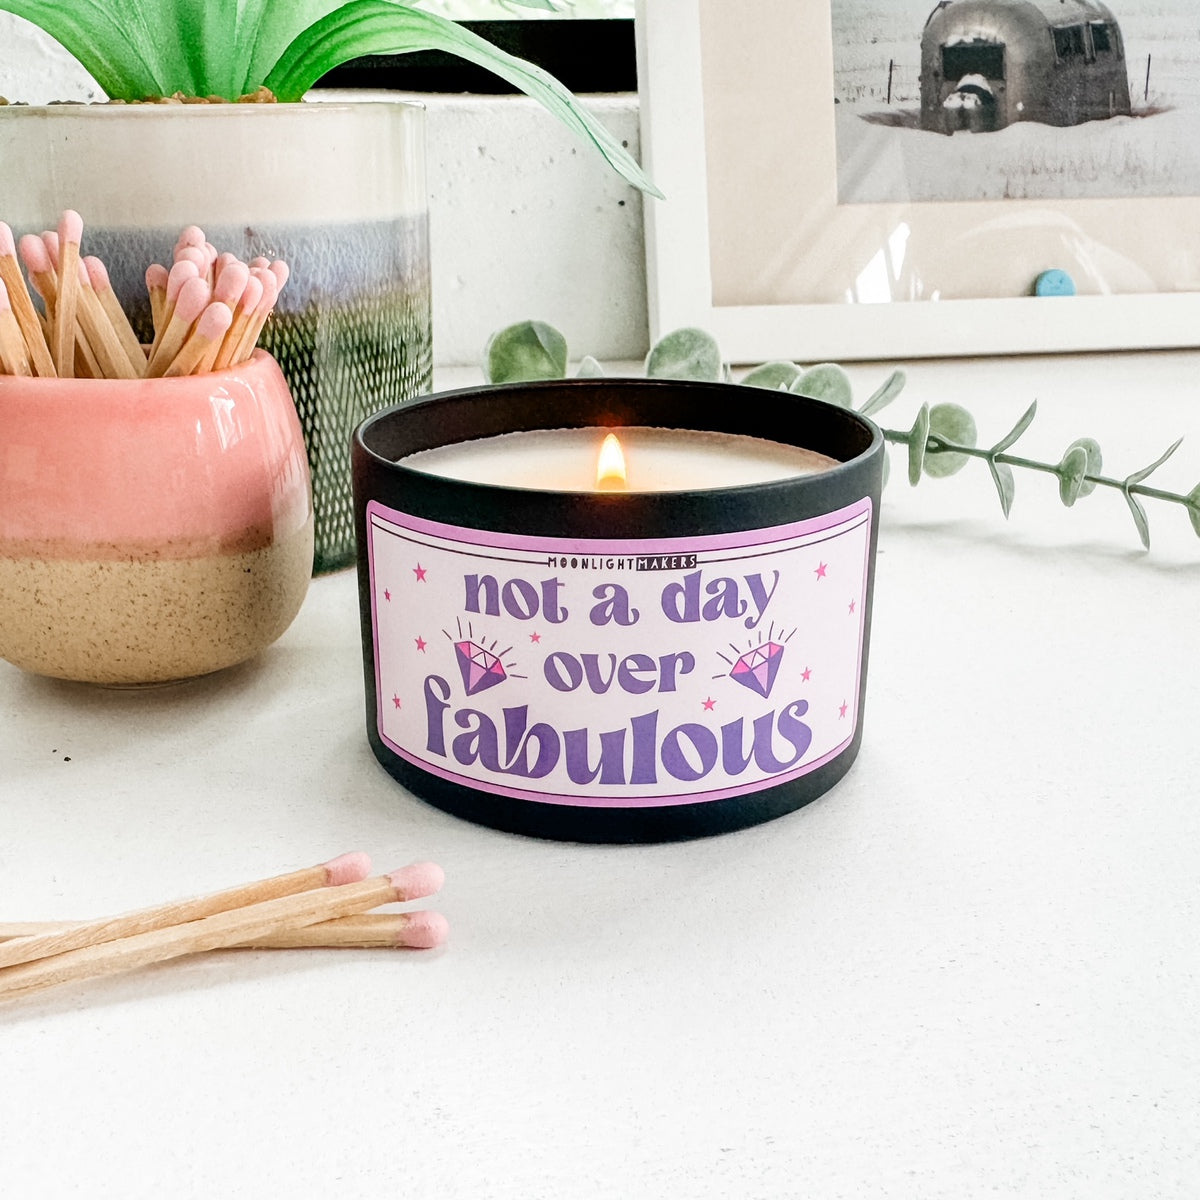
(971, 969)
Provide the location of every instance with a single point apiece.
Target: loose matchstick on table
(420, 930)
(346, 868)
(231, 928)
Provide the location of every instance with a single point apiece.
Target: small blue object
(1054, 283)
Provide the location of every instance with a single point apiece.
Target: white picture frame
(738, 132)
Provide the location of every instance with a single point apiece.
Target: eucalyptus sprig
(940, 442)
(231, 49)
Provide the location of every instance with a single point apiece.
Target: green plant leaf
(685, 354)
(950, 423)
(364, 27)
(589, 368)
(918, 437)
(1002, 477)
(1139, 517)
(525, 351)
(1146, 472)
(891, 387)
(1193, 509)
(1015, 432)
(773, 375)
(825, 381)
(1070, 472)
(1095, 462)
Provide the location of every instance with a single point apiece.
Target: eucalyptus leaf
(1139, 516)
(1006, 487)
(1015, 432)
(825, 381)
(891, 387)
(950, 423)
(589, 368)
(525, 351)
(686, 353)
(1145, 472)
(1095, 462)
(918, 437)
(1193, 508)
(773, 375)
(1070, 472)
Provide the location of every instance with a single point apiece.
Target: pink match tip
(417, 880)
(214, 321)
(97, 273)
(193, 254)
(70, 227)
(8, 248)
(5, 302)
(156, 277)
(251, 295)
(281, 271)
(424, 930)
(260, 261)
(179, 274)
(50, 241)
(192, 299)
(35, 254)
(231, 283)
(193, 235)
(347, 868)
(270, 288)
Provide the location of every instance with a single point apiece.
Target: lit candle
(655, 460)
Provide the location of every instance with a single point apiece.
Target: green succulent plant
(226, 49)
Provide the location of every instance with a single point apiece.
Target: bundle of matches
(325, 905)
(208, 310)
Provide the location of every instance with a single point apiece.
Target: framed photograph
(883, 179)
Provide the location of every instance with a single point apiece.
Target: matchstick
(346, 868)
(229, 928)
(178, 275)
(156, 289)
(202, 343)
(420, 930)
(189, 304)
(22, 306)
(102, 286)
(101, 336)
(14, 358)
(70, 234)
(270, 284)
(242, 316)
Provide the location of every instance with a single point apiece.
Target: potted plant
(335, 189)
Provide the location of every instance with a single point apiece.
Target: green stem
(938, 445)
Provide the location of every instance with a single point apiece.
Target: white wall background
(525, 221)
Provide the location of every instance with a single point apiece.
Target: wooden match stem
(363, 931)
(66, 309)
(26, 315)
(159, 916)
(102, 337)
(230, 928)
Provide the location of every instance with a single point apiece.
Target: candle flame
(610, 466)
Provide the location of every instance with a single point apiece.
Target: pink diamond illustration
(757, 668)
(479, 668)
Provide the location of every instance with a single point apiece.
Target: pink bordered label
(630, 673)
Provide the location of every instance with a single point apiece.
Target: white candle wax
(656, 460)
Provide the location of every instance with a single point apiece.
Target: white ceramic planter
(336, 189)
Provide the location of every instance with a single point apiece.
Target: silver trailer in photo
(988, 63)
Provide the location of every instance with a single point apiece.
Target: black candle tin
(616, 667)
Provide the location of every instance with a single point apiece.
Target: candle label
(625, 673)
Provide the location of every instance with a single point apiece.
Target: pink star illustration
(387, 595)
(419, 572)
(535, 637)
(852, 604)
(842, 709)
(709, 704)
(820, 570)
(806, 674)
(421, 644)
(395, 700)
